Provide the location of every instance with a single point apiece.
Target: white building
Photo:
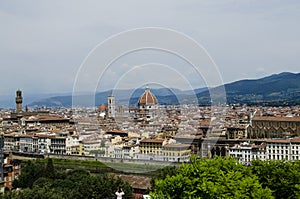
(130, 152)
(91, 147)
(26, 143)
(246, 152)
(279, 149)
(44, 142)
(271, 149)
(295, 149)
(11, 142)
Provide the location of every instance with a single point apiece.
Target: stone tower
(111, 106)
(19, 100)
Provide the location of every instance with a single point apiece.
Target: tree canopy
(227, 178)
(202, 178)
(43, 181)
(217, 178)
(282, 177)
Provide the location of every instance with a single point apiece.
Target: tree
(217, 178)
(49, 170)
(282, 177)
(76, 183)
(163, 173)
(30, 173)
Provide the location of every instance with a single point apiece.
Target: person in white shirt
(120, 193)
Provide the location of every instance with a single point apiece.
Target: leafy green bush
(217, 178)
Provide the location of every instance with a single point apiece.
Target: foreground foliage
(218, 178)
(202, 178)
(282, 177)
(226, 178)
(39, 181)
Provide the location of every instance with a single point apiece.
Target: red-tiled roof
(185, 146)
(296, 140)
(285, 119)
(147, 98)
(278, 141)
(137, 182)
(152, 141)
(102, 107)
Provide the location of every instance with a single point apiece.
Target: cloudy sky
(44, 43)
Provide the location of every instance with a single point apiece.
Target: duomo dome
(147, 98)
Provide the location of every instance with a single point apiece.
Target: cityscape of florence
(149, 100)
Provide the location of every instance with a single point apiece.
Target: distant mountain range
(272, 90)
(277, 89)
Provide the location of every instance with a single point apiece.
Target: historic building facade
(274, 127)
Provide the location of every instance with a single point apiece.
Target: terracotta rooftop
(147, 98)
(285, 119)
(45, 118)
(185, 146)
(137, 182)
(296, 140)
(102, 107)
(152, 141)
(277, 141)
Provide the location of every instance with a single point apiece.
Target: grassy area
(76, 162)
(133, 168)
(108, 167)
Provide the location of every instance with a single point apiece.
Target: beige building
(73, 145)
(91, 147)
(163, 150)
(151, 148)
(177, 152)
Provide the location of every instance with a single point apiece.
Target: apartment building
(295, 149)
(176, 152)
(247, 152)
(278, 149)
(58, 145)
(11, 171)
(151, 149)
